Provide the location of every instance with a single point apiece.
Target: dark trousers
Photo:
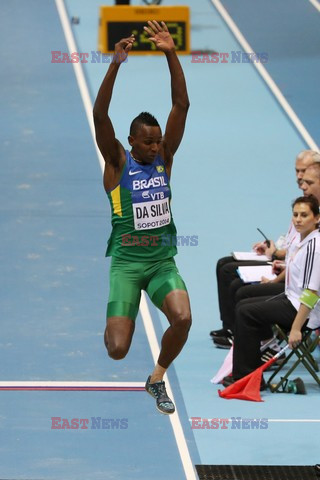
(252, 319)
(231, 289)
(239, 291)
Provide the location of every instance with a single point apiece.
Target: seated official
(291, 310)
(230, 288)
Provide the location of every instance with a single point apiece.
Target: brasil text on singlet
(142, 223)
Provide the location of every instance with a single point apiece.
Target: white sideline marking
(294, 420)
(144, 309)
(63, 384)
(316, 4)
(174, 419)
(79, 74)
(266, 77)
(273, 420)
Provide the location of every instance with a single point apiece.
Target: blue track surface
(233, 170)
(289, 30)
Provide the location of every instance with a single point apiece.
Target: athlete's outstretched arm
(105, 136)
(161, 37)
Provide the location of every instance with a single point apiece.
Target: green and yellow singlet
(142, 223)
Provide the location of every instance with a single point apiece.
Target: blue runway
(289, 31)
(233, 171)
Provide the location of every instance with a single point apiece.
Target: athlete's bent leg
(122, 309)
(176, 307)
(118, 336)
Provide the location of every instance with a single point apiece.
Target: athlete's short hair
(144, 118)
(315, 167)
(311, 200)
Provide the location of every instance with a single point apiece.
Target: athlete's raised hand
(122, 49)
(160, 36)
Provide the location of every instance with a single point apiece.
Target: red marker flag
(248, 387)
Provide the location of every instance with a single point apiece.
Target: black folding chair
(303, 352)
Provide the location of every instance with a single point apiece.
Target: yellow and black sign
(121, 21)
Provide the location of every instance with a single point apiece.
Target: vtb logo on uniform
(153, 196)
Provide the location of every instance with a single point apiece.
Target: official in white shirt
(299, 302)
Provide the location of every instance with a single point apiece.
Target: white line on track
(274, 420)
(266, 77)
(316, 4)
(144, 309)
(294, 420)
(175, 420)
(78, 73)
(74, 385)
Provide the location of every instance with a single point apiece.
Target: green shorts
(127, 279)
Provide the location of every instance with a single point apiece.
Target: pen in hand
(267, 240)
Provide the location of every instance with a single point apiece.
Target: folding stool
(303, 352)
